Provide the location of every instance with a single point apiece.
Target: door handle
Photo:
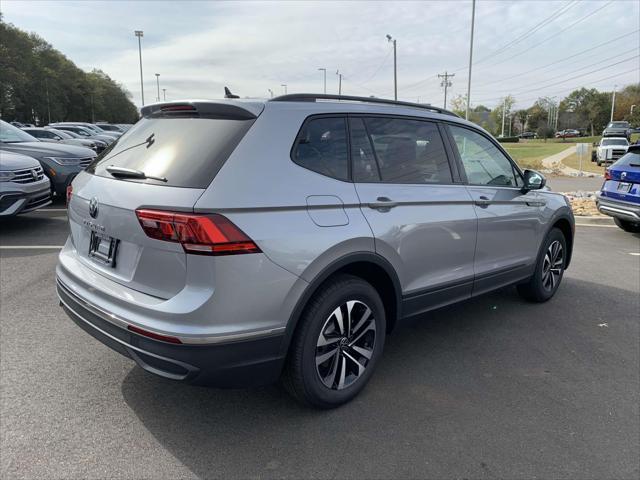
(383, 204)
(482, 201)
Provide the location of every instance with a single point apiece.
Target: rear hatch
(182, 146)
(623, 177)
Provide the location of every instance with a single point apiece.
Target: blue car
(620, 193)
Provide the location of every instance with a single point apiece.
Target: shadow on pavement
(491, 387)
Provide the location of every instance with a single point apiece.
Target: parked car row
(36, 163)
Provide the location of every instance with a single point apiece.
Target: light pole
(158, 84)
(164, 94)
(284, 85)
(324, 71)
(613, 101)
(140, 34)
(339, 82)
(473, 19)
(395, 67)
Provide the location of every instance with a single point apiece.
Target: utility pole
(555, 124)
(632, 107)
(504, 111)
(284, 85)
(93, 117)
(164, 94)
(395, 67)
(140, 34)
(158, 84)
(339, 82)
(613, 101)
(446, 83)
(324, 71)
(473, 19)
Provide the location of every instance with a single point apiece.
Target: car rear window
(188, 152)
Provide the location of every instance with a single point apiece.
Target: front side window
(404, 150)
(321, 146)
(483, 162)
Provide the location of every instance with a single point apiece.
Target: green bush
(508, 139)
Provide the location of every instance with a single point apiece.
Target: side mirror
(533, 180)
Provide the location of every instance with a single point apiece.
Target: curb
(595, 220)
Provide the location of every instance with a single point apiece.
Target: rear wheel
(339, 339)
(549, 269)
(627, 226)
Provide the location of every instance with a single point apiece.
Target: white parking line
(30, 247)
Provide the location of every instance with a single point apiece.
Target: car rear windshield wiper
(121, 172)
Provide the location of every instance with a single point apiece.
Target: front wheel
(627, 226)
(338, 342)
(549, 269)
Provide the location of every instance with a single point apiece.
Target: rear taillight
(607, 174)
(155, 336)
(69, 193)
(198, 234)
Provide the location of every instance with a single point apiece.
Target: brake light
(69, 193)
(178, 108)
(607, 174)
(155, 336)
(198, 234)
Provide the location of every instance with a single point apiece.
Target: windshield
(618, 124)
(614, 141)
(11, 134)
(66, 135)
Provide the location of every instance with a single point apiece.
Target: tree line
(38, 84)
(584, 109)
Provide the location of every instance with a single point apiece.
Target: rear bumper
(244, 362)
(618, 209)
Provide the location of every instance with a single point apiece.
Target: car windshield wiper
(121, 172)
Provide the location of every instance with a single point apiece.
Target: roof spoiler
(189, 109)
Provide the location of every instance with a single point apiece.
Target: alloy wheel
(552, 265)
(345, 345)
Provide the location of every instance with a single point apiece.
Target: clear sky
(199, 47)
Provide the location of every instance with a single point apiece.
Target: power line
(581, 19)
(567, 6)
(586, 66)
(563, 59)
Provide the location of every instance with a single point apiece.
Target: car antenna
(228, 94)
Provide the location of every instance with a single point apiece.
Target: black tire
(599, 163)
(627, 226)
(545, 282)
(306, 381)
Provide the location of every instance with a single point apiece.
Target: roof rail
(313, 97)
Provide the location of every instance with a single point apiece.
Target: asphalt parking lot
(493, 387)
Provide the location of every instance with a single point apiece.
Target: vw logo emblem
(34, 174)
(623, 175)
(93, 207)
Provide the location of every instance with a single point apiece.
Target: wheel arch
(369, 266)
(565, 224)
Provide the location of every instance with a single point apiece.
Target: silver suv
(23, 184)
(232, 242)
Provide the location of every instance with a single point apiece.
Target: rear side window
(188, 152)
(405, 151)
(321, 146)
(630, 159)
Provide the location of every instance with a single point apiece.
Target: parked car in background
(17, 124)
(610, 149)
(58, 136)
(617, 129)
(528, 135)
(568, 133)
(89, 126)
(23, 185)
(620, 194)
(108, 127)
(83, 132)
(61, 163)
(358, 214)
(125, 126)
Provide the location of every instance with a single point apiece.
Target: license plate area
(103, 249)
(624, 187)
